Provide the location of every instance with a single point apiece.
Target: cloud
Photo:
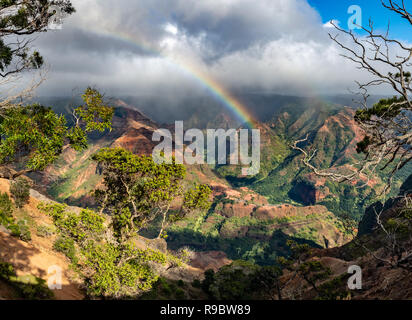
(331, 24)
(152, 46)
(172, 29)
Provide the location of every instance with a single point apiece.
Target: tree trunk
(11, 174)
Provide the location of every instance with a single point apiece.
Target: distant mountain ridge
(284, 184)
(167, 109)
(74, 175)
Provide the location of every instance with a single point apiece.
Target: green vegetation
(26, 287)
(109, 268)
(66, 246)
(20, 192)
(165, 289)
(335, 289)
(45, 231)
(242, 280)
(138, 190)
(23, 230)
(18, 228)
(6, 210)
(34, 136)
(103, 248)
(247, 238)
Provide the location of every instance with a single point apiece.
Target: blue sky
(338, 9)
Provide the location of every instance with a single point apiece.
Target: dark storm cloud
(236, 25)
(72, 38)
(277, 45)
(223, 26)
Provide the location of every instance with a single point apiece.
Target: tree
(108, 268)
(138, 190)
(387, 127)
(34, 136)
(387, 124)
(243, 280)
(19, 20)
(392, 234)
(302, 266)
(266, 281)
(103, 247)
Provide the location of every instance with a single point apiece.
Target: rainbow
(216, 89)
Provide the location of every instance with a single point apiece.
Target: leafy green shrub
(6, 210)
(45, 231)
(196, 283)
(24, 231)
(19, 229)
(55, 211)
(111, 269)
(28, 287)
(32, 288)
(165, 289)
(242, 280)
(92, 221)
(77, 226)
(335, 289)
(6, 271)
(119, 271)
(15, 230)
(20, 192)
(180, 294)
(66, 246)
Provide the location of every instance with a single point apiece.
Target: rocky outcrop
(210, 260)
(382, 278)
(240, 210)
(287, 210)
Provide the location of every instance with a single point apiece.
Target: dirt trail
(28, 259)
(37, 256)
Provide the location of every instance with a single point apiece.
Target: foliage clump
(242, 280)
(20, 192)
(6, 210)
(109, 267)
(103, 248)
(23, 231)
(27, 287)
(138, 190)
(19, 228)
(35, 135)
(66, 246)
(45, 231)
(21, 19)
